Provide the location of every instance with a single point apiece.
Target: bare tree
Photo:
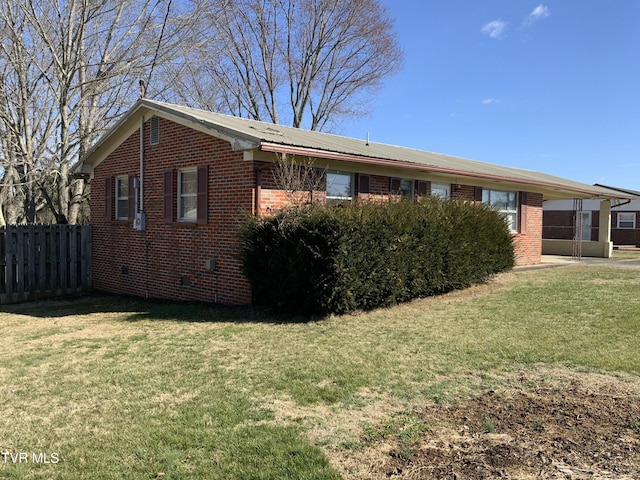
(26, 121)
(69, 68)
(300, 179)
(303, 62)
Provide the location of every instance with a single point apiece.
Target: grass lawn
(109, 387)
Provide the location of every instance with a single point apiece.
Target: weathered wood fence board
(43, 261)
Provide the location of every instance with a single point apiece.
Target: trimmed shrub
(363, 255)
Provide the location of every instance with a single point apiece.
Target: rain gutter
(311, 152)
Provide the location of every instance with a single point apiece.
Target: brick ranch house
(560, 220)
(170, 185)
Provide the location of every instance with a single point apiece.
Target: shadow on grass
(134, 309)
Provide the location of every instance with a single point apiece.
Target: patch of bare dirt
(585, 427)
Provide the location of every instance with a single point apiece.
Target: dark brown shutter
(132, 197)
(202, 198)
(364, 184)
(423, 188)
(108, 198)
(522, 218)
(394, 185)
(477, 194)
(169, 199)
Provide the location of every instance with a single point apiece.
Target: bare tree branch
(69, 68)
(304, 62)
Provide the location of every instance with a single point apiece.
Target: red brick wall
(624, 236)
(558, 224)
(167, 260)
(528, 243)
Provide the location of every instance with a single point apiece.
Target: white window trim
(123, 179)
(513, 228)
(182, 195)
(410, 193)
(441, 186)
(340, 198)
(632, 220)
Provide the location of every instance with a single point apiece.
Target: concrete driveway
(559, 260)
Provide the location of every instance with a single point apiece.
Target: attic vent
(154, 134)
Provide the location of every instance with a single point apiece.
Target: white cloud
(538, 13)
(489, 101)
(495, 29)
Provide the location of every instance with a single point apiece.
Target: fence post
(9, 249)
(32, 261)
(86, 257)
(20, 263)
(44, 261)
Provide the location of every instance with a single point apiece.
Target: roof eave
(143, 107)
(239, 140)
(318, 153)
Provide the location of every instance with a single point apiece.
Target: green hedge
(364, 255)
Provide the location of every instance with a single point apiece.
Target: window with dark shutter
(168, 196)
(423, 188)
(402, 186)
(132, 197)
(477, 194)
(202, 196)
(364, 184)
(108, 198)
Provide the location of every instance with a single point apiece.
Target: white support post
(604, 228)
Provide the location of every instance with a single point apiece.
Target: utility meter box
(210, 264)
(140, 221)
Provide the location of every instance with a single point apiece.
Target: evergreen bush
(363, 255)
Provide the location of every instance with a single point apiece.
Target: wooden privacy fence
(43, 261)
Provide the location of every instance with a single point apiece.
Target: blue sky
(551, 86)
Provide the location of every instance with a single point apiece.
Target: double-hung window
(442, 190)
(402, 187)
(187, 195)
(626, 220)
(339, 187)
(122, 197)
(504, 202)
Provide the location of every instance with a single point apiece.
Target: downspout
(258, 197)
(141, 221)
(141, 204)
(621, 204)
